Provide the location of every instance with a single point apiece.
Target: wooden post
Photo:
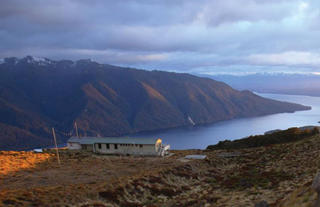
(55, 143)
(76, 126)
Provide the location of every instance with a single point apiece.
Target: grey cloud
(168, 34)
(219, 12)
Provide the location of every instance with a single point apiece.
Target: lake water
(200, 137)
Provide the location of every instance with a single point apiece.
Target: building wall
(73, 146)
(87, 147)
(126, 149)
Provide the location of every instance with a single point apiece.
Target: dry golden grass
(304, 196)
(84, 179)
(79, 178)
(11, 162)
(76, 168)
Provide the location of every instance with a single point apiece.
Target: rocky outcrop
(262, 204)
(316, 187)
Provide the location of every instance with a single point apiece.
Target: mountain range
(37, 94)
(282, 83)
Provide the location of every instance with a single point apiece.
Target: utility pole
(55, 143)
(76, 126)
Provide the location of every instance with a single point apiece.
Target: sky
(193, 36)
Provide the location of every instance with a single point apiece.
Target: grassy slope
(280, 137)
(266, 173)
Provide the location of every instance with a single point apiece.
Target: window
(99, 146)
(141, 145)
(108, 146)
(115, 146)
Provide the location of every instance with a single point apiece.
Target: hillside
(37, 94)
(279, 174)
(277, 137)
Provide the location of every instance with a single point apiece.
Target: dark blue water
(200, 137)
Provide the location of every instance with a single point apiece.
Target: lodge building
(119, 145)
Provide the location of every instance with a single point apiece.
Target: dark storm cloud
(178, 35)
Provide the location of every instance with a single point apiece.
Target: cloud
(228, 11)
(292, 58)
(180, 35)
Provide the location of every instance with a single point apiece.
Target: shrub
(289, 135)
